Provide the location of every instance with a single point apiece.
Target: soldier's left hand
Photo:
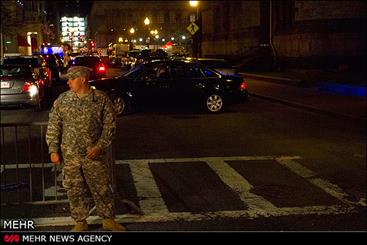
(93, 152)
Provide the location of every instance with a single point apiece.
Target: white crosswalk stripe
(155, 209)
(150, 197)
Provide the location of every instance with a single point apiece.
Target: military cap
(77, 71)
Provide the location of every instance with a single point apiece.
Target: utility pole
(271, 34)
(2, 43)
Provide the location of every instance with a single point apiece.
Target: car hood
(106, 84)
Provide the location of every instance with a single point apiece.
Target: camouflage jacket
(77, 123)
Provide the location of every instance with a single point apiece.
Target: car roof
(22, 57)
(87, 56)
(155, 61)
(15, 65)
(209, 59)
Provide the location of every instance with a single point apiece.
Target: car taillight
(27, 86)
(30, 88)
(243, 85)
(101, 68)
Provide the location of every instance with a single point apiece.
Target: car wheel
(213, 103)
(121, 104)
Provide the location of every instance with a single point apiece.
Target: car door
(154, 83)
(188, 80)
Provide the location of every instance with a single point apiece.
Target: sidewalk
(317, 77)
(313, 90)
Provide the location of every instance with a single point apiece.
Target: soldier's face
(76, 84)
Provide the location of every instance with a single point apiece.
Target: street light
(132, 30)
(194, 3)
(197, 36)
(146, 21)
(155, 34)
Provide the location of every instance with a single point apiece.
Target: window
(132, 74)
(186, 71)
(87, 61)
(160, 71)
(210, 73)
(160, 17)
(172, 17)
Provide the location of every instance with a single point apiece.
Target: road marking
(207, 216)
(5, 166)
(204, 159)
(150, 198)
(240, 186)
(155, 209)
(311, 176)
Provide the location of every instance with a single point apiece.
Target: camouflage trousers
(78, 172)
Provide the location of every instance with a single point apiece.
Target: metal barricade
(27, 175)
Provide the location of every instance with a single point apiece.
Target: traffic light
(92, 43)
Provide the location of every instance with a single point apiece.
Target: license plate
(5, 84)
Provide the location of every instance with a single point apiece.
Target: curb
(339, 88)
(307, 107)
(283, 80)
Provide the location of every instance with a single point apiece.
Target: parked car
(20, 86)
(54, 65)
(99, 70)
(115, 62)
(129, 61)
(37, 63)
(60, 62)
(221, 65)
(148, 55)
(173, 81)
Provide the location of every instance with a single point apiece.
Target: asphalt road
(259, 166)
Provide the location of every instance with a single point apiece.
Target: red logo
(12, 238)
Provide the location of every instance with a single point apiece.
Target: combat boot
(80, 226)
(112, 225)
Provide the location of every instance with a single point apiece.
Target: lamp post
(196, 38)
(155, 35)
(147, 23)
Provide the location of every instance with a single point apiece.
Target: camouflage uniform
(75, 124)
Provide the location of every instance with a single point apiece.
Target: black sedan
(99, 70)
(170, 81)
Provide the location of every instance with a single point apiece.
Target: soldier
(82, 124)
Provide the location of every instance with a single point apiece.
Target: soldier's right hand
(55, 158)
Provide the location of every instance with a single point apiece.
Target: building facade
(23, 26)
(298, 33)
(110, 20)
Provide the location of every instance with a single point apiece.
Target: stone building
(109, 20)
(302, 34)
(24, 26)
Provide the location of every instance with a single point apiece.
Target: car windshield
(87, 61)
(51, 59)
(22, 61)
(133, 54)
(13, 71)
(132, 74)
